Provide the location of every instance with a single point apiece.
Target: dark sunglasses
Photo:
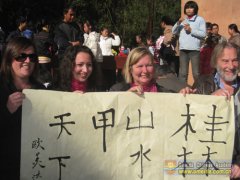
(22, 57)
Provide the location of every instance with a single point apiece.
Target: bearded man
(225, 82)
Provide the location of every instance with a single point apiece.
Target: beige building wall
(222, 12)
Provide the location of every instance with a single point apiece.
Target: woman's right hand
(136, 89)
(15, 101)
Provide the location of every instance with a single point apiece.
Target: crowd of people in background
(75, 57)
(174, 49)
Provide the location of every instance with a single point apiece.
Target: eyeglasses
(22, 57)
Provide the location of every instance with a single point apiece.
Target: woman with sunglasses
(18, 71)
(77, 70)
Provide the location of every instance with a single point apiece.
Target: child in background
(152, 48)
(123, 51)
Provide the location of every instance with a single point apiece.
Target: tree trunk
(151, 11)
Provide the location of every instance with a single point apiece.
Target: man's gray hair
(218, 50)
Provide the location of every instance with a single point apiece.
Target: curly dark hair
(66, 68)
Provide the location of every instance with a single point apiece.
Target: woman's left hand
(136, 89)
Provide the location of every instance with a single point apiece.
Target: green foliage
(125, 17)
(129, 17)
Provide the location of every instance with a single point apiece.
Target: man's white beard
(227, 78)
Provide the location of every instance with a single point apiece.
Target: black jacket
(123, 86)
(10, 132)
(206, 85)
(64, 33)
(44, 43)
(13, 34)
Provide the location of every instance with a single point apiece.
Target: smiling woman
(77, 70)
(18, 71)
(139, 73)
